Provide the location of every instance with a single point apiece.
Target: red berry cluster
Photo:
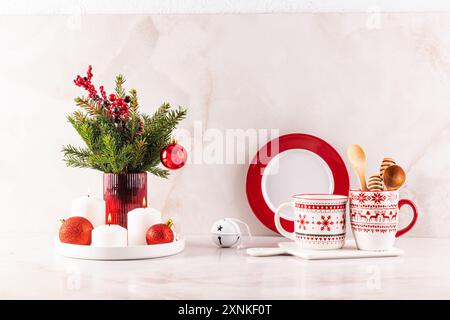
(117, 107)
(103, 92)
(85, 82)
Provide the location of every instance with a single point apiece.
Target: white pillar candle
(139, 220)
(91, 208)
(109, 235)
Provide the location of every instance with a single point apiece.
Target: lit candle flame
(109, 218)
(144, 203)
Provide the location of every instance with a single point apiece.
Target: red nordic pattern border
(321, 239)
(374, 206)
(320, 207)
(383, 228)
(377, 198)
(371, 230)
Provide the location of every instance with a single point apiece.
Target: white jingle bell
(226, 233)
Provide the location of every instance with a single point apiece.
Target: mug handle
(414, 220)
(289, 235)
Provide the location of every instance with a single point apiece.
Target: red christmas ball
(76, 230)
(160, 233)
(173, 156)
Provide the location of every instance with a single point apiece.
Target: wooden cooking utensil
(394, 177)
(357, 158)
(375, 183)
(386, 163)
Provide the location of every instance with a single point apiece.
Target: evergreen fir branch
(163, 125)
(119, 157)
(124, 157)
(100, 162)
(76, 162)
(175, 116)
(139, 153)
(86, 130)
(76, 157)
(110, 151)
(161, 112)
(134, 116)
(162, 173)
(120, 90)
(79, 116)
(91, 107)
(133, 102)
(76, 151)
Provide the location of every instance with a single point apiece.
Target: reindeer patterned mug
(374, 218)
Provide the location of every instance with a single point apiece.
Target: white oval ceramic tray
(119, 253)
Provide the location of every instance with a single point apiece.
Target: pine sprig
(125, 145)
(76, 157)
(76, 151)
(161, 112)
(162, 173)
(120, 90)
(139, 153)
(134, 116)
(91, 107)
(85, 130)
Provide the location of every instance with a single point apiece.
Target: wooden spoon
(357, 158)
(394, 177)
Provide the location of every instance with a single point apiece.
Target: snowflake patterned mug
(319, 221)
(374, 218)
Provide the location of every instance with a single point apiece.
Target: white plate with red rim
(292, 164)
(119, 253)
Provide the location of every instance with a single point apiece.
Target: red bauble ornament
(160, 233)
(173, 156)
(76, 230)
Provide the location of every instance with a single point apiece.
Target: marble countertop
(30, 269)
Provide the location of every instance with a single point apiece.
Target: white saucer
(119, 253)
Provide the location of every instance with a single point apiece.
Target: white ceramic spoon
(267, 252)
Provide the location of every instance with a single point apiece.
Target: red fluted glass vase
(122, 193)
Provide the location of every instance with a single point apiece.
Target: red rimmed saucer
(291, 164)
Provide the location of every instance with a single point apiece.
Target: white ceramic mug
(319, 221)
(374, 218)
